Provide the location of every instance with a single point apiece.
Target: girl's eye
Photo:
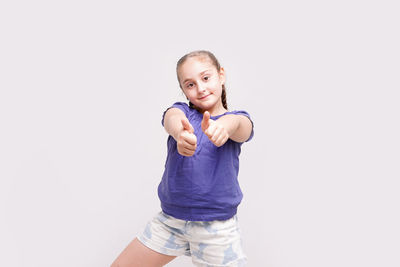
(206, 77)
(189, 85)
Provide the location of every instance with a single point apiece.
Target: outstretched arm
(178, 126)
(172, 122)
(236, 127)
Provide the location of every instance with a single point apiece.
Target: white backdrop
(83, 85)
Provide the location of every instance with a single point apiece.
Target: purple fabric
(203, 187)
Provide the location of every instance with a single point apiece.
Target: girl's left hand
(214, 130)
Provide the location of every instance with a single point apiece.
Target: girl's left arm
(238, 126)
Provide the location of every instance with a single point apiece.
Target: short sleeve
(181, 105)
(242, 112)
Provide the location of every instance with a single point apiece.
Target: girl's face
(202, 84)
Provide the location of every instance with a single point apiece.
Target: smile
(204, 97)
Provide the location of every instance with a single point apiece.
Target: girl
(199, 190)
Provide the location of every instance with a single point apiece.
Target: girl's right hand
(187, 140)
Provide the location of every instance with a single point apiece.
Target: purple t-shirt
(203, 187)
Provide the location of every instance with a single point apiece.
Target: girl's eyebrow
(201, 73)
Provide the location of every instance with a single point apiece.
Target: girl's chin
(204, 103)
(202, 106)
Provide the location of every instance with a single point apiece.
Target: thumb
(187, 126)
(205, 123)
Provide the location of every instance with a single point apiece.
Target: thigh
(217, 243)
(138, 255)
(166, 235)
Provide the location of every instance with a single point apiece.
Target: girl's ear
(222, 75)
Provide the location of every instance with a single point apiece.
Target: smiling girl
(199, 190)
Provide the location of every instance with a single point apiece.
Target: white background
(83, 85)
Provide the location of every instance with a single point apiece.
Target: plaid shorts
(209, 243)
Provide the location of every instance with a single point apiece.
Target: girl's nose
(200, 87)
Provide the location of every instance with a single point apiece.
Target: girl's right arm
(178, 126)
(172, 122)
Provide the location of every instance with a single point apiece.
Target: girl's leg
(217, 243)
(138, 255)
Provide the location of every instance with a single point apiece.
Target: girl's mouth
(204, 97)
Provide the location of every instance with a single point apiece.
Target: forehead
(192, 67)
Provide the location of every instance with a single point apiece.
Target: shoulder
(240, 112)
(180, 105)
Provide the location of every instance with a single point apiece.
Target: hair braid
(223, 97)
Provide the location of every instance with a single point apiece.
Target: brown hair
(214, 61)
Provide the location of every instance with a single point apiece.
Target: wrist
(176, 133)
